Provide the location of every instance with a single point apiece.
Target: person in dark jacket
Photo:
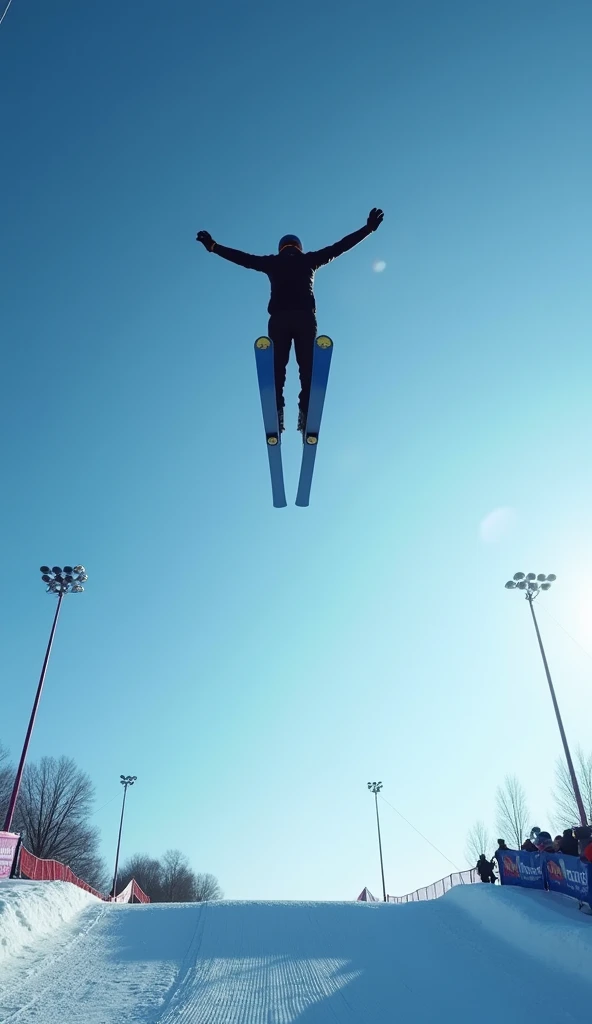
(569, 843)
(528, 846)
(292, 307)
(485, 869)
(583, 836)
(501, 845)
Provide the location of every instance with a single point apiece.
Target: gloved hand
(375, 218)
(206, 239)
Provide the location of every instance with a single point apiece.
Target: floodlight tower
(126, 780)
(532, 585)
(375, 788)
(60, 582)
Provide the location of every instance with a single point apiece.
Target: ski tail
(323, 351)
(266, 378)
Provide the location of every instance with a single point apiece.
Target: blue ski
(323, 351)
(265, 374)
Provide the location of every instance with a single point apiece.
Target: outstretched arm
(330, 252)
(243, 259)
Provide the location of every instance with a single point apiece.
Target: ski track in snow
(310, 963)
(116, 963)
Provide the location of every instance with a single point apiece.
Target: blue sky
(256, 667)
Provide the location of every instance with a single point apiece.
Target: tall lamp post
(59, 582)
(375, 788)
(532, 585)
(126, 780)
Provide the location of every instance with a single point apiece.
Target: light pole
(532, 585)
(126, 780)
(375, 788)
(60, 582)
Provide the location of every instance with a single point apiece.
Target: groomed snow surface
(478, 954)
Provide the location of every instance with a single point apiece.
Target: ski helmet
(289, 240)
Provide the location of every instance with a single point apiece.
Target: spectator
(583, 834)
(569, 843)
(557, 844)
(501, 845)
(544, 843)
(528, 846)
(485, 869)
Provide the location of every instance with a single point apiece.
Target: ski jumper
(292, 307)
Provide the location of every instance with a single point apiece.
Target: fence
(54, 871)
(428, 892)
(436, 889)
(556, 872)
(51, 871)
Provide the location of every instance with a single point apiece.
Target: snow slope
(29, 911)
(477, 954)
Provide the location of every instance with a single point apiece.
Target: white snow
(547, 924)
(480, 953)
(30, 911)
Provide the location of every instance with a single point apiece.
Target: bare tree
(177, 878)
(147, 872)
(52, 813)
(6, 781)
(478, 842)
(93, 869)
(170, 880)
(566, 808)
(207, 887)
(512, 812)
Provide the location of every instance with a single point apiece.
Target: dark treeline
(53, 814)
(169, 880)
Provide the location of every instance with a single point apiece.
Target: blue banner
(569, 875)
(517, 867)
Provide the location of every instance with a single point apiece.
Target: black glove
(206, 239)
(375, 218)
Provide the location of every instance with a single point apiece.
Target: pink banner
(8, 845)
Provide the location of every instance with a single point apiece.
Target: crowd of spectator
(574, 842)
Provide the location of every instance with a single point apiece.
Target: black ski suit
(485, 869)
(292, 307)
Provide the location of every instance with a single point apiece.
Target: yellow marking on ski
(272, 440)
(324, 342)
(311, 440)
(262, 343)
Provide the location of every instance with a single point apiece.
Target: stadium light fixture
(532, 585)
(375, 788)
(59, 581)
(126, 780)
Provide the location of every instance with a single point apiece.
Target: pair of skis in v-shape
(323, 350)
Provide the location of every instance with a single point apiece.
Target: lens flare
(497, 525)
